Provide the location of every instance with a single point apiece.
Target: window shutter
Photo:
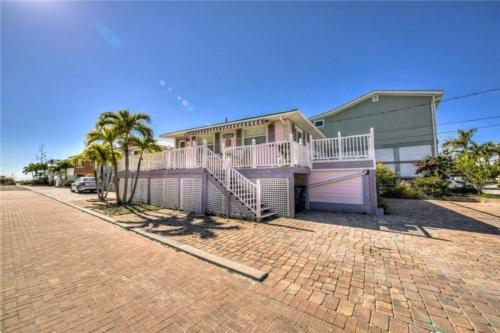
(271, 136)
(238, 137)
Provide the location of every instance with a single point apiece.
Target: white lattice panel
(274, 193)
(157, 198)
(141, 191)
(122, 187)
(171, 193)
(191, 194)
(216, 200)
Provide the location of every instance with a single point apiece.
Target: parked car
(458, 183)
(82, 184)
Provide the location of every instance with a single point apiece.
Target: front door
(227, 140)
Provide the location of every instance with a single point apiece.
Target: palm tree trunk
(125, 186)
(97, 183)
(108, 182)
(136, 177)
(115, 169)
(101, 192)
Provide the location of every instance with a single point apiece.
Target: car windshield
(87, 179)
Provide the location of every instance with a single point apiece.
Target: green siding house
(404, 123)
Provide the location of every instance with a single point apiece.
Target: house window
(210, 141)
(258, 133)
(319, 123)
(298, 134)
(182, 144)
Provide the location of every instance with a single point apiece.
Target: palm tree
(128, 126)
(146, 144)
(462, 143)
(100, 156)
(30, 168)
(109, 136)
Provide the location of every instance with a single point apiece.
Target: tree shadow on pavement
(203, 226)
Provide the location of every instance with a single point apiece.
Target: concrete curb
(200, 254)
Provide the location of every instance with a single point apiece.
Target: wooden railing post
(371, 145)
(311, 149)
(227, 165)
(204, 158)
(292, 150)
(339, 142)
(254, 154)
(258, 201)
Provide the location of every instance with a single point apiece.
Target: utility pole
(42, 154)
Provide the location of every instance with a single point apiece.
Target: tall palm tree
(109, 136)
(128, 126)
(462, 143)
(146, 144)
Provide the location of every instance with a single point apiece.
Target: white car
(82, 184)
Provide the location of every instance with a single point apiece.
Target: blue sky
(195, 63)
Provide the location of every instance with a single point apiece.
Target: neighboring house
(83, 169)
(404, 122)
(52, 176)
(274, 164)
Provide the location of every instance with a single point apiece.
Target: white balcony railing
(267, 155)
(355, 147)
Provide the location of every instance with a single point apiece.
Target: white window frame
(179, 143)
(301, 131)
(208, 144)
(243, 137)
(322, 123)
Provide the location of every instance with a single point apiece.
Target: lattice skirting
(171, 193)
(275, 194)
(141, 192)
(165, 192)
(122, 187)
(216, 201)
(191, 194)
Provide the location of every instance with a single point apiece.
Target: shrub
(68, 183)
(4, 180)
(431, 186)
(405, 190)
(386, 181)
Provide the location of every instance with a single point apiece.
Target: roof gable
(437, 93)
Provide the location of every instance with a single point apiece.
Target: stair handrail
(248, 192)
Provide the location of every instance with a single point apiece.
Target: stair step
(267, 215)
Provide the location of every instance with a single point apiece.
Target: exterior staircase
(244, 194)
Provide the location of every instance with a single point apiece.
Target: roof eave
(362, 98)
(270, 116)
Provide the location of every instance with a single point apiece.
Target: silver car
(82, 184)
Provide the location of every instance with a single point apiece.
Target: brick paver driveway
(64, 270)
(431, 266)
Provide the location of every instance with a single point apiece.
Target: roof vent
(375, 98)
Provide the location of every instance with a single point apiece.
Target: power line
(421, 135)
(477, 93)
(445, 124)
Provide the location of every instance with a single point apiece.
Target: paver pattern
(66, 271)
(430, 266)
